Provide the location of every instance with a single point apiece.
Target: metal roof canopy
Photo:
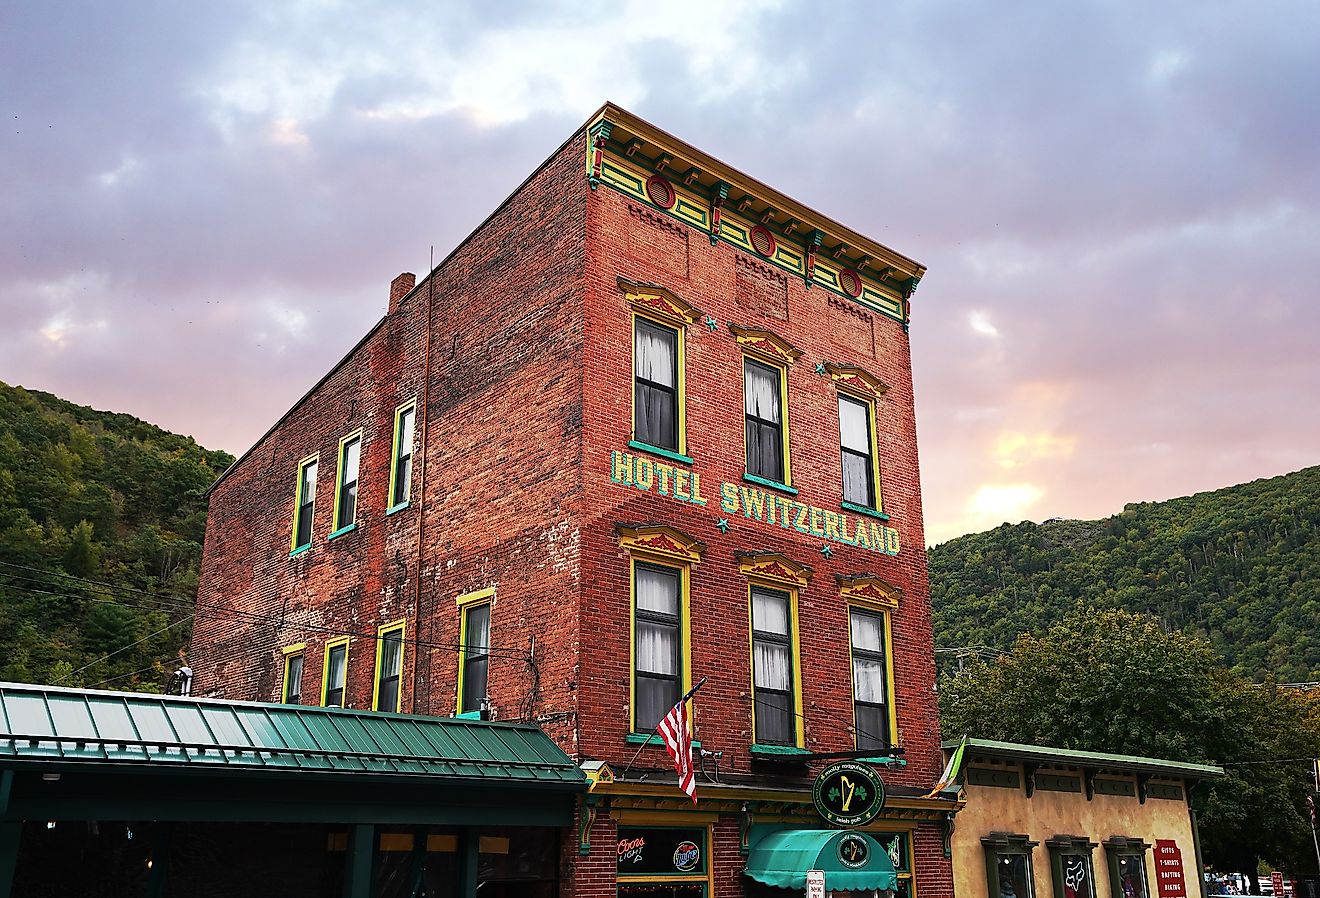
(1067, 757)
(127, 755)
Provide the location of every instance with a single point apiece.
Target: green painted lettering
(877, 538)
(681, 482)
(729, 497)
(863, 535)
(800, 517)
(643, 475)
(697, 498)
(753, 501)
(831, 524)
(813, 518)
(662, 472)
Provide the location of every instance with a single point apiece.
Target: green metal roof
(50, 726)
(1018, 751)
(783, 858)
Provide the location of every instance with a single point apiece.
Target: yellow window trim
(680, 363)
(291, 652)
(884, 612)
(684, 628)
(325, 665)
(381, 632)
(782, 367)
(481, 595)
(394, 452)
(794, 647)
(466, 603)
(872, 410)
(297, 500)
(339, 474)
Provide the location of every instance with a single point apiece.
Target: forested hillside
(90, 498)
(1240, 566)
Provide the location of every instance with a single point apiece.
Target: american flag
(677, 736)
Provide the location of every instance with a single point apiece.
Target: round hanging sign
(847, 793)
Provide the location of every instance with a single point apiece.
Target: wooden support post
(160, 859)
(468, 844)
(360, 861)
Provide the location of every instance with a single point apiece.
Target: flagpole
(687, 695)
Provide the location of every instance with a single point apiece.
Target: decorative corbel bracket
(1088, 780)
(1029, 778)
(599, 135)
(1143, 784)
(717, 200)
(749, 810)
(946, 832)
(591, 805)
(814, 241)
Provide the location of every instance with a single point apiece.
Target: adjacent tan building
(1045, 822)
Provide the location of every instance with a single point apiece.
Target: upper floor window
(764, 401)
(389, 666)
(293, 671)
(870, 678)
(304, 504)
(857, 450)
(773, 689)
(655, 384)
(334, 676)
(401, 469)
(350, 460)
(474, 662)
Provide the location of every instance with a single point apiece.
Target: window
(899, 848)
(304, 504)
(764, 402)
(474, 659)
(1070, 866)
(401, 469)
(291, 693)
(334, 677)
(870, 676)
(1008, 866)
(657, 648)
(389, 666)
(350, 459)
(774, 707)
(1127, 867)
(857, 451)
(656, 399)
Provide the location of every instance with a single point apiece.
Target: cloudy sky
(1119, 203)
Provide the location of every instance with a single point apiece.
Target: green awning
(84, 729)
(783, 858)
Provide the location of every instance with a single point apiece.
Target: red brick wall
(499, 480)
(729, 286)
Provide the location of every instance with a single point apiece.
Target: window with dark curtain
(403, 449)
(391, 667)
(658, 674)
(772, 668)
(856, 451)
(293, 669)
(349, 461)
(336, 676)
(655, 384)
(870, 678)
(476, 655)
(306, 504)
(764, 416)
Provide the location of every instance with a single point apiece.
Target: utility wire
(124, 649)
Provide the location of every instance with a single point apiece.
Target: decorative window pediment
(869, 589)
(660, 539)
(766, 344)
(773, 567)
(852, 377)
(658, 301)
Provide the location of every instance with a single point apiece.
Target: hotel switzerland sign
(1169, 870)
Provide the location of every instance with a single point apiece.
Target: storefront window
(899, 849)
(1008, 866)
(1132, 875)
(1127, 867)
(662, 862)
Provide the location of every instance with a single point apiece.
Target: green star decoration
(712, 324)
(820, 367)
(827, 551)
(723, 524)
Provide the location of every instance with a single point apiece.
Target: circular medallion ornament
(848, 793)
(851, 282)
(686, 856)
(763, 241)
(854, 852)
(660, 192)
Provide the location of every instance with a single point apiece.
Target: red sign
(1169, 880)
(1277, 879)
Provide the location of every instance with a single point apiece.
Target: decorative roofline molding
(855, 378)
(868, 589)
(766, 344)
(658, 301)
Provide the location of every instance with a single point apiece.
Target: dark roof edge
(1020, 751)
(578, 132)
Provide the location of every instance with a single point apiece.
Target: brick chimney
(400, 287)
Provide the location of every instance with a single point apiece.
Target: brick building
(652, 421)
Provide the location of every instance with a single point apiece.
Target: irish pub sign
(848, 793)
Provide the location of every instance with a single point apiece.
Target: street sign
(815, 884)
